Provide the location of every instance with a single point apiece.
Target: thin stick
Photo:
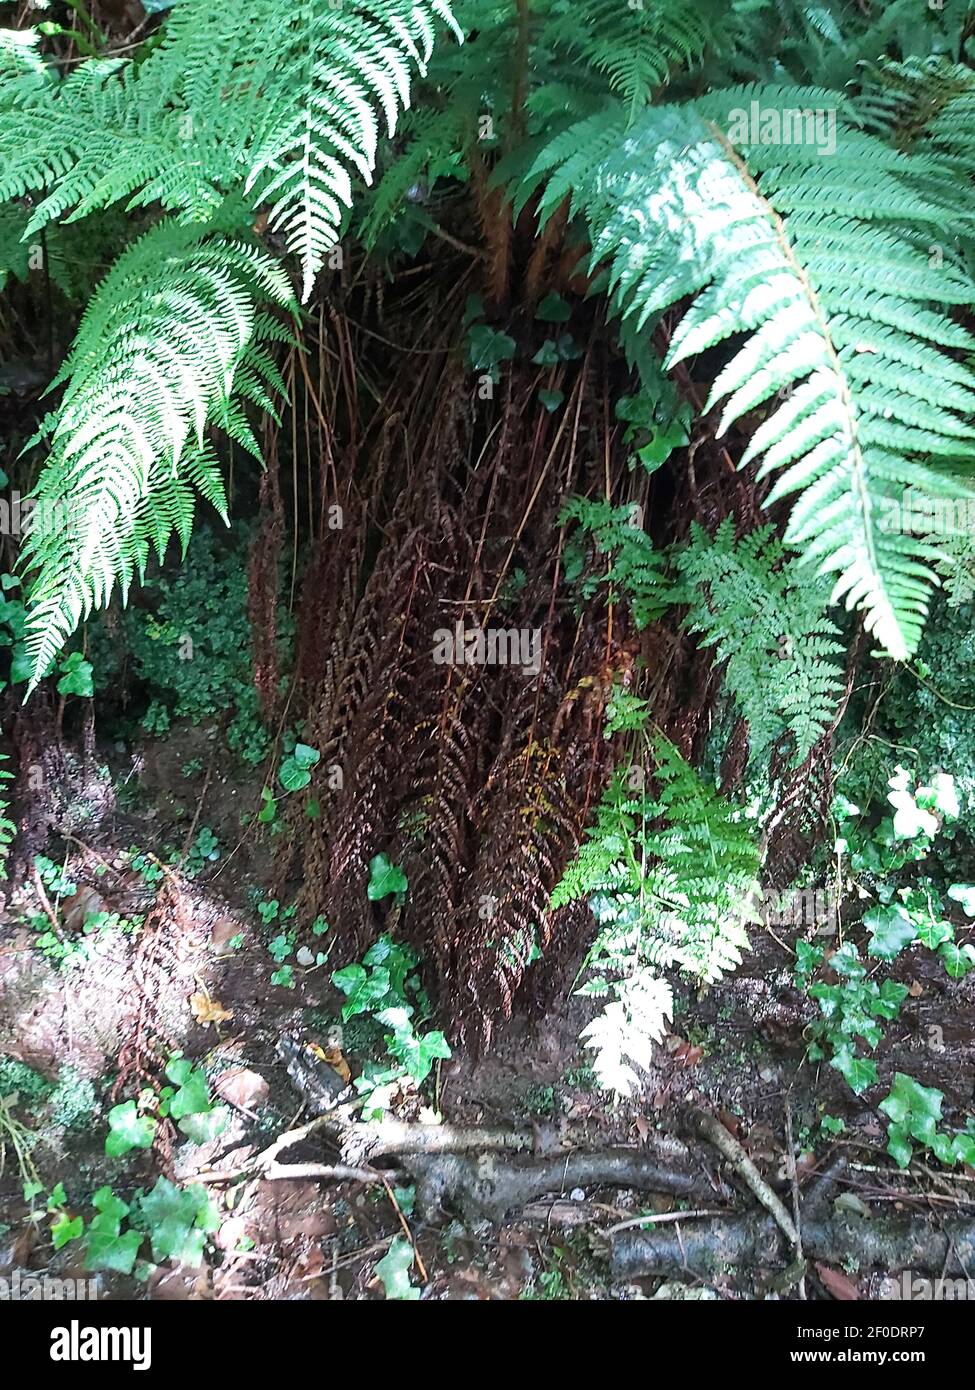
(661, 1218)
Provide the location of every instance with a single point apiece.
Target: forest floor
(735, 1051)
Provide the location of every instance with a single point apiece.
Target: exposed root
(711, 1250)
(486, 1187)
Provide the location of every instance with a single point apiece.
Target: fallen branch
(336, 1172)
(709, 1250)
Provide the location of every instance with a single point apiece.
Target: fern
(171, 341)
(635, 46)
(822, 263)
(276, 100)
(764, 617)
(635, 570)
(669, 879)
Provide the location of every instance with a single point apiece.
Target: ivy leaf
(910, 820)
(941, 795)
(385, 878)
(899, 1145)
(178, 1221)
(65, 1229)
(417, 1052)
(915, 1108)
(394, 1270)
(128, 1129)
(551, 400)
(553, 309)
(202, 1127)
(934, 931)
(964, 893)
(77, 676)
(860, 1073)
(963, 1146)
(193, 1096)
(891, 930)
(958, 960)
(294, 773)
(362, 988)
(109, 1206)
(107, 1249)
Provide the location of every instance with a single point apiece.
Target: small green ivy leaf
(294, 773)
(394, 1271)
(193, 1096)
(105, 1249)
(958, 960)
(202, 1127)
(77, 676)
(385, 878)
(964, 893)
(178, 1221)
(65, 1229)
(915, 1107)
(417, 1052)
(362, 988)
(860, 1073)
(128, 1129)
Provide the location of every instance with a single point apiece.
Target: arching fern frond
(169, 343)
(815, 248)
(332, 70)
(278, 100)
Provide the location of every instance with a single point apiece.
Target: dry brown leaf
(207, 1010)
(838, 1284)
(333, 1056)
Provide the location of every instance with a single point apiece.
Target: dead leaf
(687, 1055)
(223, 932)
(731, 1123)
(840, 1285)
(916, 989)
(242, 1087)
(333, 1056)
(87, 901)
(207, 1010)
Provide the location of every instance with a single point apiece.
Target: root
(751, 1241)
(487, 1188)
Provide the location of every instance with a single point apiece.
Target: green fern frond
(278, 100)
(765, 618)
(635, 46)
(169, 336)
(332, 71)
(670, 880)
(635, 571)
(818, 253)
